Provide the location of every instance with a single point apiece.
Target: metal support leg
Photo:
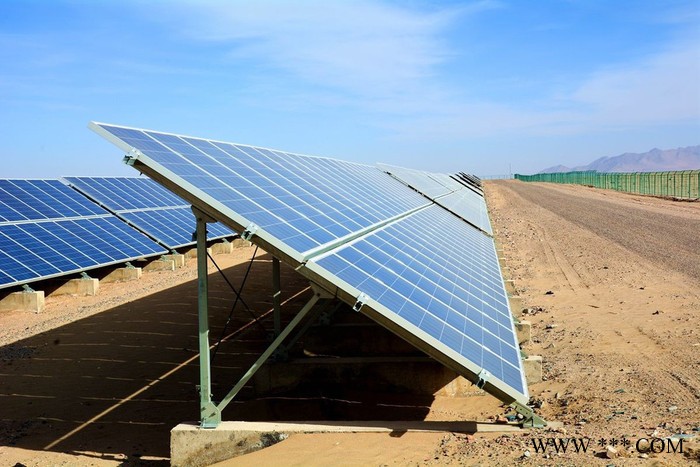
(210, 416)
(318, 294)
(276, 296)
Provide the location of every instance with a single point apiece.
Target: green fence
(679, 184)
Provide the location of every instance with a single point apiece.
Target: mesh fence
(678, 184)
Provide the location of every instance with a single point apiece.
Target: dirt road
(648, 227)
(618, 334)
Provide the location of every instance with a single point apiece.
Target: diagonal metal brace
(318, 294)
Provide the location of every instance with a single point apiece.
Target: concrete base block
(177, 259)
(123, 275)
(193, 446)
(80, 287)
(160, 265)
(23, 301)
(222, 248)
(501, 261)
(240, 243)
(505, 272)
(510, 287)
(523, 330)
(516, 305)
(533, 369)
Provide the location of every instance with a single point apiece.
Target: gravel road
(671, 238)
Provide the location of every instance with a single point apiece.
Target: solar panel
(447, 192)
(47, 230)
(304, 202)
(418, 180)
(452, 296)
(147, 206)
(360, 234)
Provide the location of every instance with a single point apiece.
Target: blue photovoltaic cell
(303, 201)
(454, 293)
(47, 229)
(446, 192)
(22, 200)
(418, 180)
(447, 181)
(148, 206)
(469, 206)
(444, 287)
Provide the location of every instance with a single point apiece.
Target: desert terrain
(610, 282)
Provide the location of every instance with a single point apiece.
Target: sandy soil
(610, 282)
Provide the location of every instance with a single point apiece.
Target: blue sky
(444, 86)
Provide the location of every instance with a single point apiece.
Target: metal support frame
(276, 296)
(531, 420)
(210, 412)
(318, 294)
(210, 415)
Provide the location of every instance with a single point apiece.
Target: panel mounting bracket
(84, 276)
(531, 420)
(249, 231)
(361, 300)
(27, 289)
(131, 157)
(483, 376)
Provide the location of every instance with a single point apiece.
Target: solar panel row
(302, 201)
(447, 192)
(47, 229)
(421, 271)
(147, 206)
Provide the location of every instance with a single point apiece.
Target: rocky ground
(609, 281)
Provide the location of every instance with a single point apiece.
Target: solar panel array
(147, 206)
(418, 269)
(47, 230)
(469, 204)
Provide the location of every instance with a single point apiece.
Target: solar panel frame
(305, 264)
(40, 247)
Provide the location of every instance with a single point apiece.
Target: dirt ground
(609, 281)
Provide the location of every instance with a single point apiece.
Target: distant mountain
(656, 160)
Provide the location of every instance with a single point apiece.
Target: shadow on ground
(113, 385)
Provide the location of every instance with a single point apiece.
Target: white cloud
(364, 49)
(661, 88)
(386, 61)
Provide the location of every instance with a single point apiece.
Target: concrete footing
(510, 287)
(221, 248)
(193, 446)
(23, 301)
(160, 265)
(516, 304)
(123, 275)
(177, 259)
(79, 287)
(533, 369)
(240, 243)
(523, 330)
